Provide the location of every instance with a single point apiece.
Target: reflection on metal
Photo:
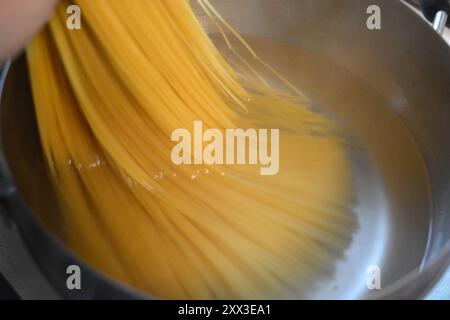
(440, 21)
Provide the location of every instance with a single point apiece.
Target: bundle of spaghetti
(108, 98)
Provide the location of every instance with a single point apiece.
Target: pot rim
(415, 284)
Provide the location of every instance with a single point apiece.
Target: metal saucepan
(389, 90)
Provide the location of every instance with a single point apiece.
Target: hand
(19, 21)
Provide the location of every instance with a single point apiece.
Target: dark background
(6, 291)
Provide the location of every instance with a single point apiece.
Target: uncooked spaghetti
(109, 96)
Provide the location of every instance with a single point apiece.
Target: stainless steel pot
(387, 87)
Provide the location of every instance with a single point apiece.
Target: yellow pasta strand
(108, 98)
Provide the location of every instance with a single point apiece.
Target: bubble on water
(68, 164)
(193, 177)
(95, 164)
(148, 186)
